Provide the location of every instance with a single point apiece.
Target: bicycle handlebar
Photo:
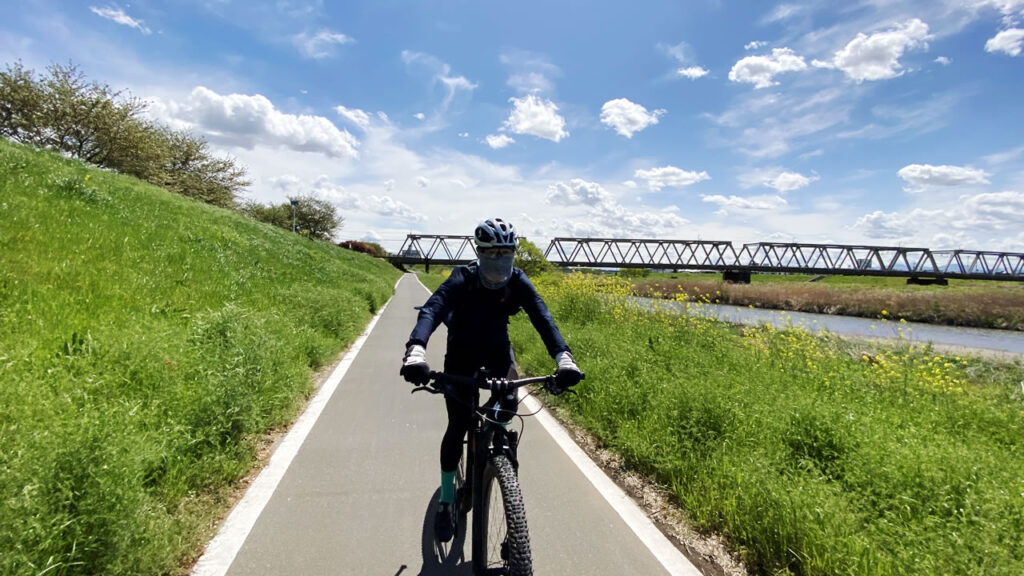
(439, 383)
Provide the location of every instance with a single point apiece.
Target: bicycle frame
(491, 447)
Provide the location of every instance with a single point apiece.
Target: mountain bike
(487, 482)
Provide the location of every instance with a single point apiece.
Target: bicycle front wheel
(501, 542)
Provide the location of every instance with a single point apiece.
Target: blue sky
(880, 122)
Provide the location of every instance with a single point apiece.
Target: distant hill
(147, 342)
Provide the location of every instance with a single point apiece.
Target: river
(1002, 341)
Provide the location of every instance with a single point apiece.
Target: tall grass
(810, 455)
(147, 341)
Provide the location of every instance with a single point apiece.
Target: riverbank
(997, 305)
(807, 454)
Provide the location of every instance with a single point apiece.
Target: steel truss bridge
(738, 263)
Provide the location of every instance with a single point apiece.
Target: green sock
(447, 487)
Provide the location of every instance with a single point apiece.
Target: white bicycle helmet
(495, 233)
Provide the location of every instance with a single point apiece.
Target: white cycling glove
(568, 373)
(414, 367)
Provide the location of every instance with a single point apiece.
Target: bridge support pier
(917, 280)
(736, 276)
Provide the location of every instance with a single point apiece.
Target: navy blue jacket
(477, 317)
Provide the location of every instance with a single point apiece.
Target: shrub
(371, 248)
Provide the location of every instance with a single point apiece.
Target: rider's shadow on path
(443, 559)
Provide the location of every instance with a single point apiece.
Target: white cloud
(419, 116)
(993, 210)
(1012, 10)
(629, 184)
(354, 115)
(577, 191)
(761, 70)
(463, 134)
(536, 116)
(530, 73)
(765, 124)
(751, 204)
(371, 236)
(422, 181)
(324, 188)
(388, 206)
(628, 117)
(321, 187)
(880, 224)
(920, 177)
(611, 220)
(783, 12)
(775, 178)
(247, 121)
(943, 60)
(755, 45)
(877, 57)
(497, 141)
(789, 181)
(692, 72)
(1005, 156)
(670, 176)
(681, 54)
(917, 117)
(440, 72)
(1007, 41)
(997, 211)
(319, 44)
(117, 15)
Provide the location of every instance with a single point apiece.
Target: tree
(191, 170)
(530, 259)
(315, 217)
(279, 215)
(312, 216)
(21, 105)
(89, 121)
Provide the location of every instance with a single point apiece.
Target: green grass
(147, 343)
(810, 455)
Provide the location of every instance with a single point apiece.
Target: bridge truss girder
(789, 257)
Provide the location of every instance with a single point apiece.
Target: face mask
(495, 270)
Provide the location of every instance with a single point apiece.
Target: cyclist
(475, 302)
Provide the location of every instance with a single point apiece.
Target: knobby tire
(500, 482)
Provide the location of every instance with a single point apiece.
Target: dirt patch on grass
(998, 306)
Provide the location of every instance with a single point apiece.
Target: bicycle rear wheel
(501, 541)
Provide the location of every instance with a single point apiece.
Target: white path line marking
(631, 513)
(663, 550)
(221, 551)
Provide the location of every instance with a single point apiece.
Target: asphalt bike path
(357, 496)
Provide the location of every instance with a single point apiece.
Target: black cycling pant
(500, 407)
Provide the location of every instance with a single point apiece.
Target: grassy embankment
(978, 303)
(147, 342)
(810, 455)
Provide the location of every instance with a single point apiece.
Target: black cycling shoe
(444, 522)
